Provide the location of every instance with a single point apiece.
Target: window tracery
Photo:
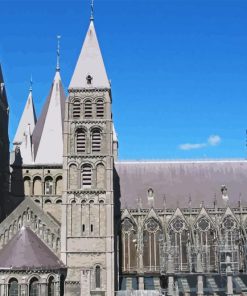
(151, 245)
(206, 244)
(178, 240)
(129, 245)
(13, 287)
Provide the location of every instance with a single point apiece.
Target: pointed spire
(25, 129)
(28, 119)
(90, 69)
(48, 133)
(58, 53)
(31, 83)
(92, 10)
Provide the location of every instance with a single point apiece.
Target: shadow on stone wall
(117, 224)
(16, 183)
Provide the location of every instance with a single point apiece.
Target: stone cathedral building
(77, 221)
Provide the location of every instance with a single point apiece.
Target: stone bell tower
(87, 238)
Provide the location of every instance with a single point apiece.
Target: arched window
(48, 185)
(97, 277)
(177, 243)
(34, 287)
(151, 243)
(231, 247)
(80, 141)
(96, 140)
(37, 186)
(27, 186)
(73, 177)
(88, 109)
(100, 175)
(51, 284)
(129, 245)
(87, 174)
(100, 108)
(13, 287)
(206, 242)
(76, 109)
(59, 185)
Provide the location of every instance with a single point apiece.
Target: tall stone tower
(4, 147)
(87, 238)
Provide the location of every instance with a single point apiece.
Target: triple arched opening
(87, 176)
(88, 109)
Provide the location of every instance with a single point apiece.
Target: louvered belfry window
(81, 141)
(76, 109)
(87, 174)
(100, 109)
(96, 140)
(88, 109)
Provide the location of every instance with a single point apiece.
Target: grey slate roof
(181, 181)
(26, 251)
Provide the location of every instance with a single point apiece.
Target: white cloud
(212, 140)
(189, 146)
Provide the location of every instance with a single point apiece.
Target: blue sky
(178, 69)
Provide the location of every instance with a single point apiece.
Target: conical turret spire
(25, 129)
(48, 133)
(28, 118)
(90, 69)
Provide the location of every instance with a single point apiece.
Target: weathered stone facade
(99, 226)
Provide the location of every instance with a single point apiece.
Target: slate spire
(48, 133)
(23, 136)
(90, 69)
(28, 119)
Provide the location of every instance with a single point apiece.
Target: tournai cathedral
(75, 221)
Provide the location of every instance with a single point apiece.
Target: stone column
(141, 283)
(85, 282)
(229, 285)
(57, 285)
(24, 287)
(200, 285)
(43, 286)
(2, 286)
(170, 285)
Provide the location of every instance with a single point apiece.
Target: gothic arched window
(151, 243)
(100, 175)
(37, 186)
(231, 245)
(48, 185)
(88, 110)
(178, 243)
(27, 186)
(100, 108)
(129, 244)
(206, 243)
(87, 175)
(51, 288)
(96, 140)
(73, 177)
(13, 287)
(80, 141)
(59, 185)
(97, 277)
(34, 287)
(76, 109)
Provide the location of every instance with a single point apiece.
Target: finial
(58, 53)
(31, 83)
(92, 10)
